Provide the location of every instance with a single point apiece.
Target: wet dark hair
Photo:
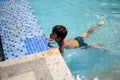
(60, 30)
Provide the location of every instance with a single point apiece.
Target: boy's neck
(60, 42)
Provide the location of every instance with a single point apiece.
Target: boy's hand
(47, 38)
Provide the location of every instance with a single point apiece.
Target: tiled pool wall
(21, 35)
(20, 31)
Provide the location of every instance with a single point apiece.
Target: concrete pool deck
(47, 65)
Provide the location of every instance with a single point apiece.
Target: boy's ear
(59, 38)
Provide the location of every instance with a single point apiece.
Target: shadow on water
(2, 58)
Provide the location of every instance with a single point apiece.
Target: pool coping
(50, 61)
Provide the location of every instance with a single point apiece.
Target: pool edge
(51, 59)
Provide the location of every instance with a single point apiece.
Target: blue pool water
(78, 16)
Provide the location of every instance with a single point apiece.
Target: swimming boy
(59, 32)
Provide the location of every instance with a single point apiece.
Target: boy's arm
(61, 51)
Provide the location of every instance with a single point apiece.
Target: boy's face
(54, 36)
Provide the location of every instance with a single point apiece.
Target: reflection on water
(111, 73)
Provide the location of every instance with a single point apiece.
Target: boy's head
(58, 33)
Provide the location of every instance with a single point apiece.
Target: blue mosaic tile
(20, 32)
(4, 0)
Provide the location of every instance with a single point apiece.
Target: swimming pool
(78, 16)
